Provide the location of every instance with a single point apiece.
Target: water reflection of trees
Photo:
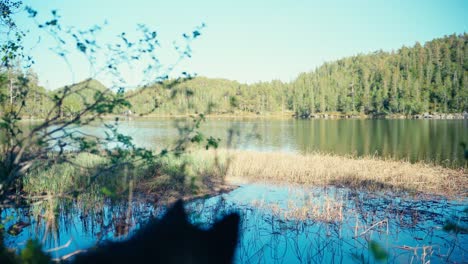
(415, 140)
(408, 229)
(57, 222)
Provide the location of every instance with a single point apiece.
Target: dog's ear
(225, 236)
(175, 214)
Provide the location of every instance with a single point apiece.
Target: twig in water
(60, 247)
(68, 255)
(372, 226)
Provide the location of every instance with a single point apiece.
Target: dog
(172, 239)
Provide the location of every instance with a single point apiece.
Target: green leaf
(33, 254)
(379, 253)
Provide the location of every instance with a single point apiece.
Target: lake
(286, 223)
(435, 141)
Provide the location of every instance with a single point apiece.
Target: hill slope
(424, 78)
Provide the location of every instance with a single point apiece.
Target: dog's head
(172, 239)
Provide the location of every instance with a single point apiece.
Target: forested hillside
(424, 78)
(433, 77)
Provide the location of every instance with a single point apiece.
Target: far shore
(286, 115)
(290, 115)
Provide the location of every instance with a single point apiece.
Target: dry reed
(329, 210)
(319, 169)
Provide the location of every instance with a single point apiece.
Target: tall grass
(60, 178)
(168, 175)
(186, 175)
(205, 172)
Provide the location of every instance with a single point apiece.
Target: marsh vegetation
(294, 224)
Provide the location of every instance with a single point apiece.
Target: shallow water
(280, 224)
(277, 231)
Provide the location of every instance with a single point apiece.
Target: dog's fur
(172, 240)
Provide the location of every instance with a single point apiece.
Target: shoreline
(441, 116)
(288, 116)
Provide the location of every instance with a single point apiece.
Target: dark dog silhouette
(172, 240)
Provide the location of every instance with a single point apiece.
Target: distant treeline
(412, 80)
(429, 78)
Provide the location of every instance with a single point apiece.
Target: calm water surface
(282, 225)
(415, 140)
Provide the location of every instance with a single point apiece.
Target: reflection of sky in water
(268, 236)
(410, 223)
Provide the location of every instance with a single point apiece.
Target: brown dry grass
(326, 169)
(328, 210)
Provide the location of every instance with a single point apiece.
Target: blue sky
(247, 40)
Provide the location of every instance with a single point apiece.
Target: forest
(429, 78)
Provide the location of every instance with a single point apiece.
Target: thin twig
(60, 247)
(371, 227)
(69, 255)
